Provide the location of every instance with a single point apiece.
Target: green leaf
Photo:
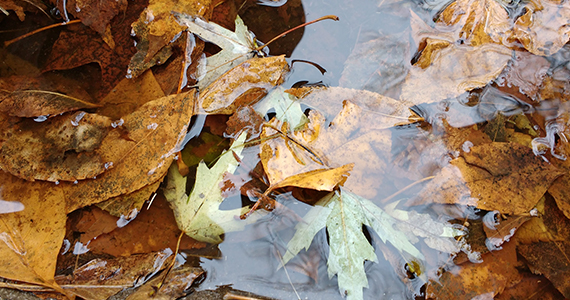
(237, 46)
(199, 215)
(287, 107)
(343, 214)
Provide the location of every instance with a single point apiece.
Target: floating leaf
(243, 85)
(199, 215)
(287, 107)
(343, 214)
(507, 177)
(237, 46)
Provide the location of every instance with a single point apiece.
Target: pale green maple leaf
(237, 46)
(343, 214)
(199, 215)
(287, 107)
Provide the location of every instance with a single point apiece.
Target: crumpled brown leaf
(154, 134)
(507, 177)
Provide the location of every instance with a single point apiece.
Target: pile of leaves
(459, 179)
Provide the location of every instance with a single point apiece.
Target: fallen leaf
(100, 279)
(483, 280)
(525, 72)
(344, 214)
(32, 233)
(156, 28)
(198, 215)
(175, 285)
(71, 147)
(243, 85)
(501, 230)
(34, 97)
(237, 47)
(154, 135)
(150, 229)
(287, 107)
(453, 70)
(506, 177)
(543, 29)
(320, 180)
(123, 205)
(527, 287)
(355, 136)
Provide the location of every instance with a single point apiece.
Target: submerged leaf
(344, 214)
(199, 215)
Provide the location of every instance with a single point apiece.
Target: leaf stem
(327, 17)
(7, 43)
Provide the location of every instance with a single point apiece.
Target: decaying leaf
(343, 214)
(243, 85)
(320, 180)
(156, 28)
(499, 230)
(154, 134)
(453, 70)
(354, 136)
(485, 279)
(198, 215)
(287, 107)
(99, 279)
(543, 29)
(237, 46)
(34, 97)
(31, 234)
(176, 284)
(507, 177)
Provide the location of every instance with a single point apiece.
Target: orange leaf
(320, 180)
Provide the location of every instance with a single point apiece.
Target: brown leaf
(527, 289)
(506, 177)
(320, 180)
(175, 284)
(32, 232)
(96, 14)
(550, 226)
(551, 260)
(33, 97)
(454, 70)
(156, 28)
(503, 230)
(354, 136)
(100, 279)
(152, 230)
(543, 29)
(154, 134)
(69, 147)
(243, 85)
(492, 276)
(123, 205)
(129, 94)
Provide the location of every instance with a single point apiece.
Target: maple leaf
(287, 107)
(343, 214)
(237, 46)
(198, 215)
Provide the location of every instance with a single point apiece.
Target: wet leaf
(485, 279)
(176, 284)
(344, 214)
(101, 278)
(320, 180)
(69, 147)
(243, 85)
(543, 29)
(148, 230)
(237, 46)
(154, 134)
(95, 14)
(31, 235)
(550, 259)
(33, 97)
(453, 70)
(198, 215)
(355, 136)
(506, 177)
(156, 28)
(287, 107)
(123, 205)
